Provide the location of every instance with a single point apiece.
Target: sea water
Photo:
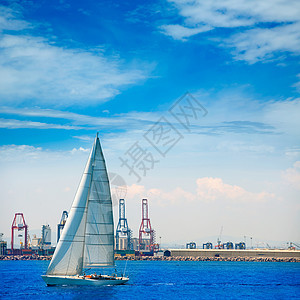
(162, 280)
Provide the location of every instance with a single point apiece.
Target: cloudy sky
(196, 103)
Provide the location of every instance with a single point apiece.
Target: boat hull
(80, 280)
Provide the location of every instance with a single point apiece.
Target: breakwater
(25, 257)
(196, 255)
(199, 258)
(165, 258)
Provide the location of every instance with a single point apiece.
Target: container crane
(146, 229)
(122, 227)
(19, 224)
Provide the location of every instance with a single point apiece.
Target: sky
(196, 103)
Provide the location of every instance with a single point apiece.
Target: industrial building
(3, 245)
(36, 242)
(226, 253)
(135, 244)
(46, 237)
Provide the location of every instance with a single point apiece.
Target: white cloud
(52, 113)
(258, 43)
(9, 21)
(208, 189)
(80, 149)
(14, 124)
(136, 190)
(284, 115)
(19, 152)
(262, 43)
(86, 138)
(34, 69)
(213, 189)
(231, 13)
(292, 175)
(28, 153)
(238, 147)
(293, 153)
(178, 32)
(129, 120)
(160, 197)
(232, 117)
(297, 84)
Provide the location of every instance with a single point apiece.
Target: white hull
(81, 280)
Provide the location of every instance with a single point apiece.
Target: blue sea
(162, 280)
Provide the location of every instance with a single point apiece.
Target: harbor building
(46, 237)
(3, 245)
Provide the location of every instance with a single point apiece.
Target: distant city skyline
(196, 104)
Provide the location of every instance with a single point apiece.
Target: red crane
(19, 224)
(145, 228)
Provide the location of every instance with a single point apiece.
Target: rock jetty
(25, 257)
(190, 258)
(166, 258)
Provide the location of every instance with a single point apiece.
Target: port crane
(122, 227)
(19, 224)
(146, 230)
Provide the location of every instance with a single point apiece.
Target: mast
(92, 167)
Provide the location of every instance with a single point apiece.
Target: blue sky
(71, 68)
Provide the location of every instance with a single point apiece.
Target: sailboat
(87, 241)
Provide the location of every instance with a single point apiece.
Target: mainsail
(88, 236)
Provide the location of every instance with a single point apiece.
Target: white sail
(87, 238)
(99, 234)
